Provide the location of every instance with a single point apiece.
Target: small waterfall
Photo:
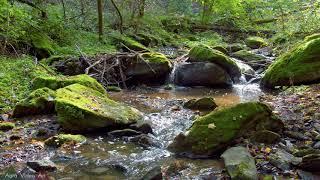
(172, 74)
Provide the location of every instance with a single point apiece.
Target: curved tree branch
(120, 16)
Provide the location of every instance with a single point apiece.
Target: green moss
(38, 102)
(236, 47)
(248, 56)
(5, 126)
(132, 44)
(203, 53)
(206, 103)
(213, 132)
(256, 42)
(113, 89)
(61, 139)
(16, 75)
(299, 66)
(82, 108)
(56, 82)
(311, 37)
(43, 45)
(221, 48)
(156, 58)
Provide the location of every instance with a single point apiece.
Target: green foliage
(16, 75)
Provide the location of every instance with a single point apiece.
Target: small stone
(283, 160)
(58, 140)
(42, 165)
(296, 135)
(240, 164)
(206, 103)
(145, 128)
(317, 145)
(303, 151)
(124, 132)
(311, 163)
(4, 117)
(175, 108)
(144, 141)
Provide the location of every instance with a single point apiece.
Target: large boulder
(240, 164)
(254, 60)
(299, 66)
(56, 82)
(40, 101)
(80, 108)
(149, 68)
(212, 133)
(255, 42)
(201, 74)
(202, 53)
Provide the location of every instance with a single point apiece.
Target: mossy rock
(254, 60)
(206, 103)
(255, 42)
(56, 82)
(299, 66)
(203, 53)
(42, 44)
(40, 101)
(240, 164)
(128, 42)
(113, 89)
(81, 108)
(311, 37)
(236, 47)
(59, 140)
(149, 68)
(221, 48)
(212, 133)
(6, 126)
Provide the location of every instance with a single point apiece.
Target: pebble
(42, 165)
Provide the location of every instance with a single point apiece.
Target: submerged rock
(214, 132)
(56, 82)
(145, 141)
(256, 42)
(299, 66)
(42, 165)
(202, 53)
(61, 139)
(240, 164)
(150, 68)
(202, 74)
(40, 101)
(6, 126)
(81, 108)
(206, 103)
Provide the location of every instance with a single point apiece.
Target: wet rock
(145, 141)
(303, 151)
(206, 103)
(153, 68)
(311, 163)
(240, 164)
(174, 168)
(27, 174)
(59, 140)
(123, 132)
(212, 133)
(4, 117)
(317, 145)
(283, 160)
(287, 71)
(202, 74)
(80, 108)
(307, 175)
(113, 89)
(246, 70)
(202, 53)
(253, 60)
(98, 171)
(221, 49)
(266, 136)
(296, 135)
(168, 87)
(42, 165)
(143, 127)
(6, 126)
(154, 174)
(57, 82)
(40, 101)
(256, 42)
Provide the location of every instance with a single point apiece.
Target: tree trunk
(120, 16)
(142, 8)
(100, 18)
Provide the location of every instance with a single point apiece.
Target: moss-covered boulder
(126, 42)
(299, 66)
(255, 42)
(56, 82)
(206, 103)
(60, 139)
(212, 133)
(202, 74)
(221, 48)
(42, 45)
(6, 126)
(311, 37)
(40, 101)
(149, 68)
(236, 47)
(80, 108)
(240, 164)
(203, 53)
(254, 60)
